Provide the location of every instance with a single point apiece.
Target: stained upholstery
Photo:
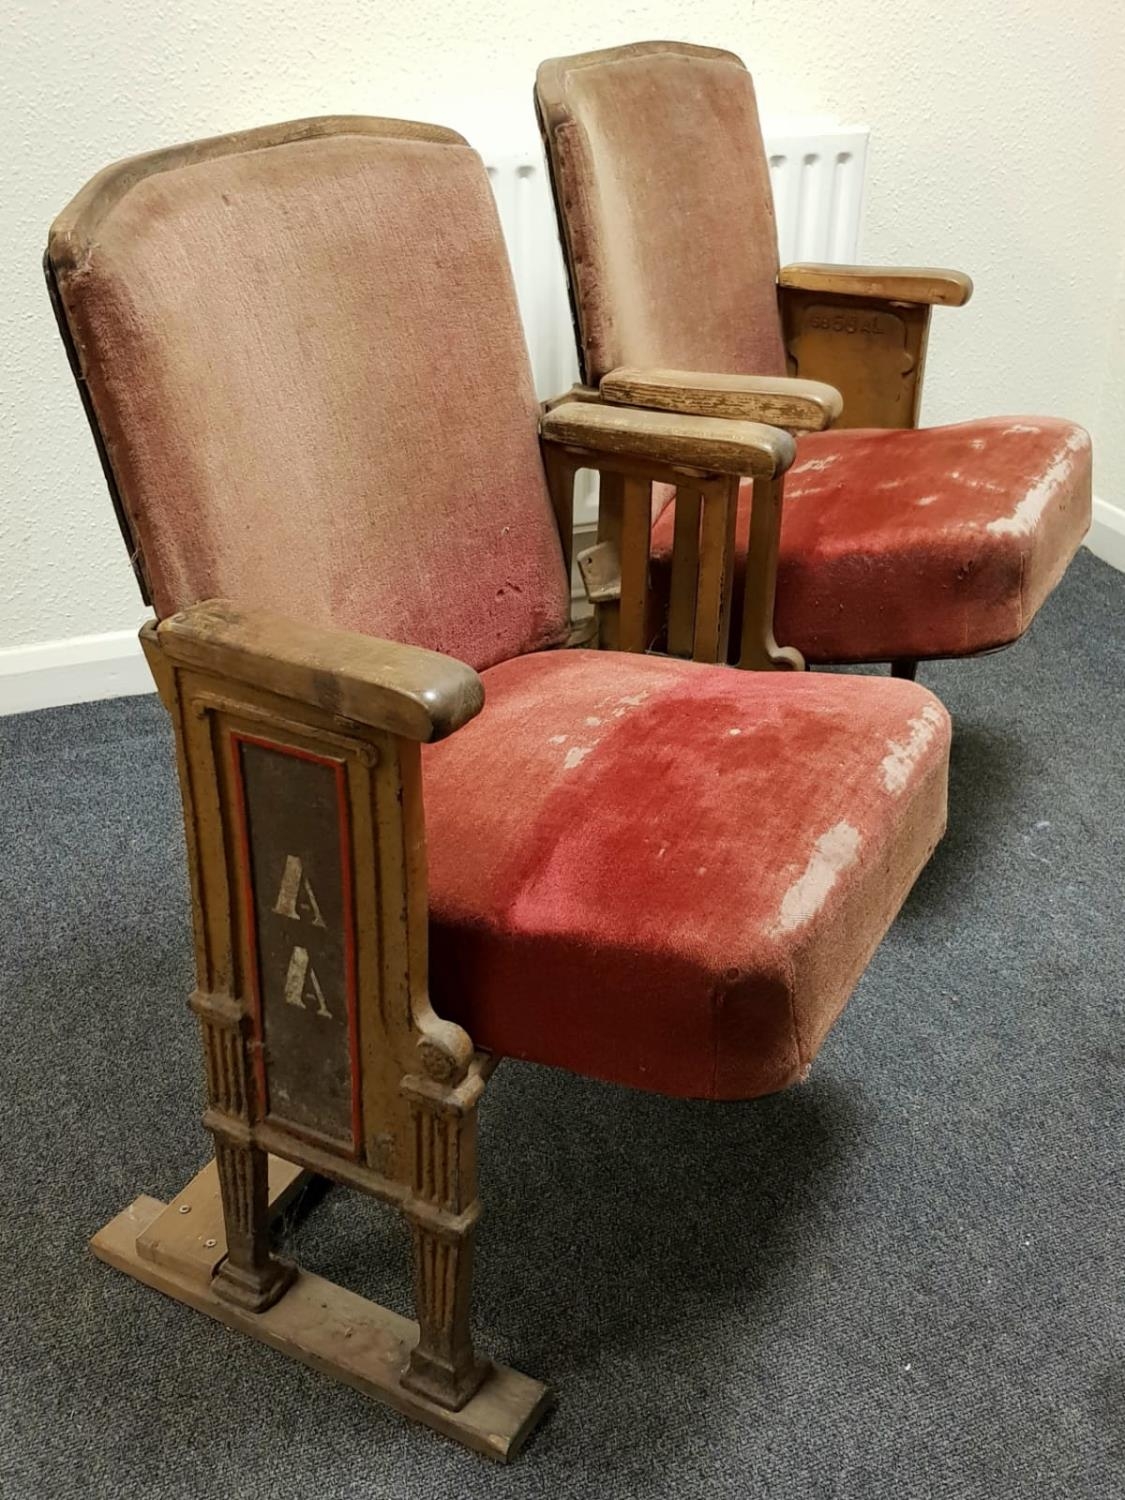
(938, 542)
(895, 544)
(659, 164)
(306, 366)
(302, 417)
(670, 875)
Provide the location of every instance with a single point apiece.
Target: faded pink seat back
(663, 193)
(304, 356)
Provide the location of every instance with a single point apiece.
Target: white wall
(1108, 535)
(997, 130)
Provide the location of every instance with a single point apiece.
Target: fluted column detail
(443, 1211)
(251, 1276)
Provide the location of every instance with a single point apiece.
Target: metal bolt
(210, 1244)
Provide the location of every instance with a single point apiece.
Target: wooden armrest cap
(406, 690)
(804, 405)
(931, 285)
(711, 444)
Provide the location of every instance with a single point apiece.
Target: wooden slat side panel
(636, 529)
(712, 613)
(685, 572)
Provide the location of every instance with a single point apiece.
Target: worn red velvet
(660, 169)
(899, 544)
(669, 875)
(308, 364)
(938, 542)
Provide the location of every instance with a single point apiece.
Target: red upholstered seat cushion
(670, 875)
(942, 541)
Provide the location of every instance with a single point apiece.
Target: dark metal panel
(296, 855)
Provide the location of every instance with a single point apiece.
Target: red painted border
(347, 893)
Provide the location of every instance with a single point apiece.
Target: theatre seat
(671, 876)
(895, 542)
(423, 830)
(941, 541)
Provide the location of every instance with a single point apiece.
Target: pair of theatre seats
(300, 353)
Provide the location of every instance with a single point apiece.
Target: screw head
(210, 1244)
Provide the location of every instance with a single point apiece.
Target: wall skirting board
(1107, 535)
(87, 667)
(77, 670)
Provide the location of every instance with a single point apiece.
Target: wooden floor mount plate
(334, 1331)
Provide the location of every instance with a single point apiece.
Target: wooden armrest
(803, 405)
(710, 445)
(405, 690)
(929, 285)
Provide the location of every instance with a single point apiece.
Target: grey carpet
(903, 1279)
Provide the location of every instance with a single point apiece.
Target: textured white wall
(1109, 424)
(997, 133)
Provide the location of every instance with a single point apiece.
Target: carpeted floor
(903, 1279)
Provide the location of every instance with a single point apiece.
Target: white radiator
(817, 177)
(817, 180)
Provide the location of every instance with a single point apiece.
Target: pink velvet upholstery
(671, 875)
(661, 171)
(306, 364)
(900, 544)
(939, 542)
(303, 417)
